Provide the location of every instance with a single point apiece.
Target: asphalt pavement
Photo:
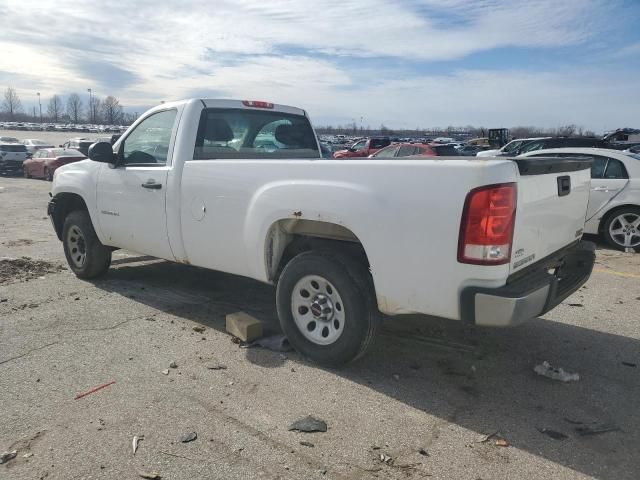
(432, 398)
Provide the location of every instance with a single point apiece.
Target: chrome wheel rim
(318, 310)
(77, 246)
(625, 230)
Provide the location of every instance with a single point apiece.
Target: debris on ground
(307, 444)
(553, 434)
(173, 365)
(150, 475)
(243, 326)
(275, 343)
(501, 442)
(27, 455)
(165, 371)
(216, 366)
(198, 328)
(547, 370)
(629, 364)
(6, 456)
(423, 452)
(136, 440)
(94, 389)
(487, 437)
(575, 304)
(308, 424)
(188, 437)
(587, 430)
(384, 458)
(24, 269)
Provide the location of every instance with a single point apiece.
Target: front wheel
(48, 174)
(622, 229)
(86, 255)
(326, 309)
(26, 172)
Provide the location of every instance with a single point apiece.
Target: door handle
(604, 189)
(152, 185)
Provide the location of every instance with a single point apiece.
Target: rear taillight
(257, 104)
(486, 231)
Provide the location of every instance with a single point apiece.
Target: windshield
(511, 146)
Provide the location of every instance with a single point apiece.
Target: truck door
(131, 197)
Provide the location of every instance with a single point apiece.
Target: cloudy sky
(404, 63)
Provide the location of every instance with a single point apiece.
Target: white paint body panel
(605, 194)
(406, 213)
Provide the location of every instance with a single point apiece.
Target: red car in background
(363, 147)
(399, 150)
(45, 161)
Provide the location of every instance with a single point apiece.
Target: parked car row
(62, 127)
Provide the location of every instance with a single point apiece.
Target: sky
(404, 63)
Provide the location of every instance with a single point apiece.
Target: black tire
(86, 255)
(26, 172)
(354, 286)
(48, 175)
(611, 218)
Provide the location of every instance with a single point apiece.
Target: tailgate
(553, 195)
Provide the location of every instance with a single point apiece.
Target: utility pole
(90, 106)
(40, 105)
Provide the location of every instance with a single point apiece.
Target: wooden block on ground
(244, 326)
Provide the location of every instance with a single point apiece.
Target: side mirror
(102, 152)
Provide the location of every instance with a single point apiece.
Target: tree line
(106, 111)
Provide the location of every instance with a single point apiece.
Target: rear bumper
(531, 292)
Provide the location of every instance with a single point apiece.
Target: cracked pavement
(428, 384)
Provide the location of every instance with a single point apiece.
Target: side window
(387, 152)
(406, 151)
(359, 145)
(598, 166)
(235, 133)
(149, 142)
(530, 147)
(615, 169)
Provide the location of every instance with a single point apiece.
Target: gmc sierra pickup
(491, 241)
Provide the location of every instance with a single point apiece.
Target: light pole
(40, 105)
(90, 106)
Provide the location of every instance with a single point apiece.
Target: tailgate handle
(564, 185)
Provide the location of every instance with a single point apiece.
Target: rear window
(66, 152)
(249, 134)
(445, 150)
(13, 148)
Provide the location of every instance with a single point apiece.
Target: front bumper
(531, 292)
(11, 167)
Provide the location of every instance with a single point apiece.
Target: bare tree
(93, 110)
(54, 109)
(11, 104)
(111, 110)
(74, 107)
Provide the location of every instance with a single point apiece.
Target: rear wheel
(86, 255)
(326, 309)
(622, 229)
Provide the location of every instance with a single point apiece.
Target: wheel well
(291, 237)
(613, 211)
(64, 204)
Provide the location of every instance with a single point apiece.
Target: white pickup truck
(240, 187)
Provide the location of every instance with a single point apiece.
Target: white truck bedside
(240, 187)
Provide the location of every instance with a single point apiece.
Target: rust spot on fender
(297, 214)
